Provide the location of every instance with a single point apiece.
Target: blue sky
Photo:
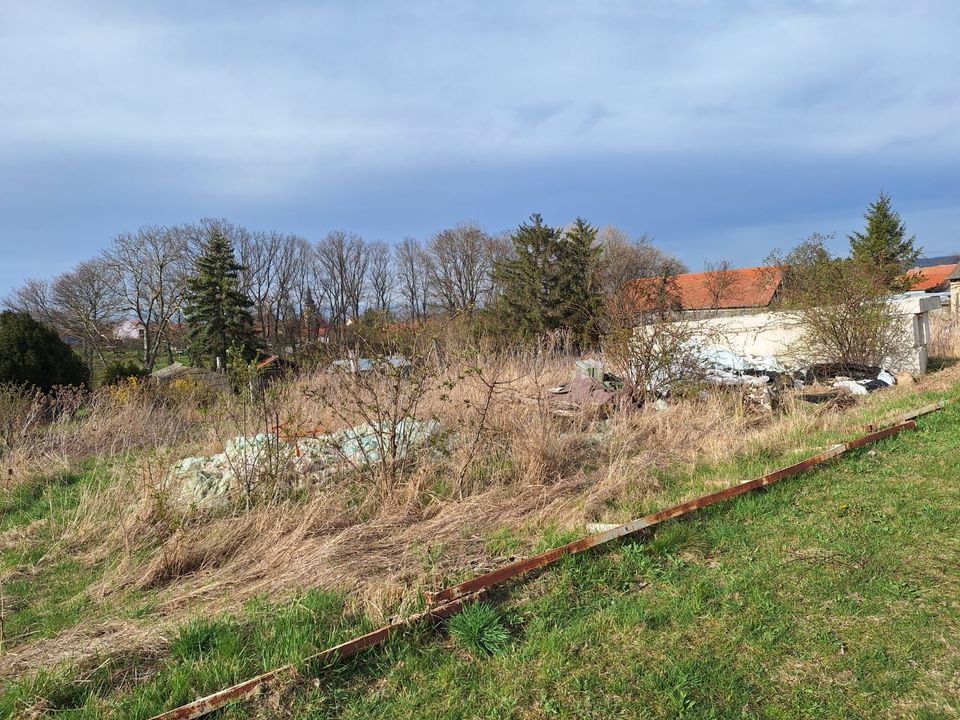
(723, 129)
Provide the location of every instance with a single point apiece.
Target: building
(732, 291)
(932, 278)
(735, 309)
(940, 278)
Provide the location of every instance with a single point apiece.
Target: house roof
(930, 278)
(268, 361)
(719, 290)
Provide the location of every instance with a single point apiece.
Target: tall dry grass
(54, 432)
(944, 335)
(503, 460)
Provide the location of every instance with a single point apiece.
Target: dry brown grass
(56, 432)
(944, 335)
(507, 462)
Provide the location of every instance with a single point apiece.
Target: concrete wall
(779, 333)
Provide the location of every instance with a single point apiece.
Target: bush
(33, 354)
(842, 306)
(118, 371)
(478, 628)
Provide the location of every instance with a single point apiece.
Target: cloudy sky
(723, 129)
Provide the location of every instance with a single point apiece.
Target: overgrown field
(832, 594)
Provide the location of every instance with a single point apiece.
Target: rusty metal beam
(550, 556)
(205, 705)
(451, 600)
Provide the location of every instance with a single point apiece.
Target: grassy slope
(41, 597)
(833, 594)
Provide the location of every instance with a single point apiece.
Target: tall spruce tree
(551, 281)
(577, 284)
(525, 277)
(884, 244)
(217, 313)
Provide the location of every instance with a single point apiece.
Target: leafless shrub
(649, 342)
(842, 306)
(383, 391)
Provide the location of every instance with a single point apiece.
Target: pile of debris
(365, 365)
(591, 387)
(850, 377)
(766, 375)
(762, 379)
(266, 460)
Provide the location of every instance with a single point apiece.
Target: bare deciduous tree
(459, 267)
(411, 264)
(624, 259)
(294, 278)
(35, 298)
(342, 261)
(149, 268)
(87, 306)
(381, 276)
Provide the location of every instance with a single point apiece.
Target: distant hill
(938, 260)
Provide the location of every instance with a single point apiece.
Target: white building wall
(778, 334)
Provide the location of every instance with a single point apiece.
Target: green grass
(43, 592)
(831, 594)
(479, 629)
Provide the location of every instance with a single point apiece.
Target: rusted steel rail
(451, 600)
(550, 556)
(205, 705)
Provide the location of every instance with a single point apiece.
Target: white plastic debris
(362, 365)
(725, 359)
(852, 386)
(887, 378)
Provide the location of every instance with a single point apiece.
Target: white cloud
(255, 101)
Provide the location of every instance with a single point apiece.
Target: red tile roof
(930, 278)
(723, 290)
(269, 361)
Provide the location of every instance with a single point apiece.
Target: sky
(721, 129)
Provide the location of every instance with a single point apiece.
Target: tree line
(535, 279)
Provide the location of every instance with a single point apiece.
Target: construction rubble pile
(760, 377)
(247, 464)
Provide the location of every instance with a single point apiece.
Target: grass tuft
(479, 630)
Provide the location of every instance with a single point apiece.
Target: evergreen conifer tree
(884, 244)
(551, 281)
(217, 312)
(525, 277)
(577, 290)
(33, 354)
